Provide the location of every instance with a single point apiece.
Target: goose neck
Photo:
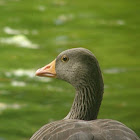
(86, 103)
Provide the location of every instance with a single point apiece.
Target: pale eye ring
(64, 58)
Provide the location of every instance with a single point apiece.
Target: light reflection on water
(28, 73)
(4, 106)
(18, 84)
(116, 70)
(19, 40)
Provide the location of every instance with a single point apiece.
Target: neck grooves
(86, 103)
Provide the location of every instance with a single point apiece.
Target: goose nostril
(47, 67)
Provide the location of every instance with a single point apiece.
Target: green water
(110, 29)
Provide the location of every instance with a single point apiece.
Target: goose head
(77, 66)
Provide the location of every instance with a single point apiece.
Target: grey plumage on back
(101, 129)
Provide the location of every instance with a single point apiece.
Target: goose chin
(45, 74)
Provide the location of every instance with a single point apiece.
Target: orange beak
(47, 71)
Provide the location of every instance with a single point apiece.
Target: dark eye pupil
(64, 58)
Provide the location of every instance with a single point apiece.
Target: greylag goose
(80, 68)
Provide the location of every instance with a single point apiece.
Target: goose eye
(64, 58)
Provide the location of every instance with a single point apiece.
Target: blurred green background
(34, 32)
